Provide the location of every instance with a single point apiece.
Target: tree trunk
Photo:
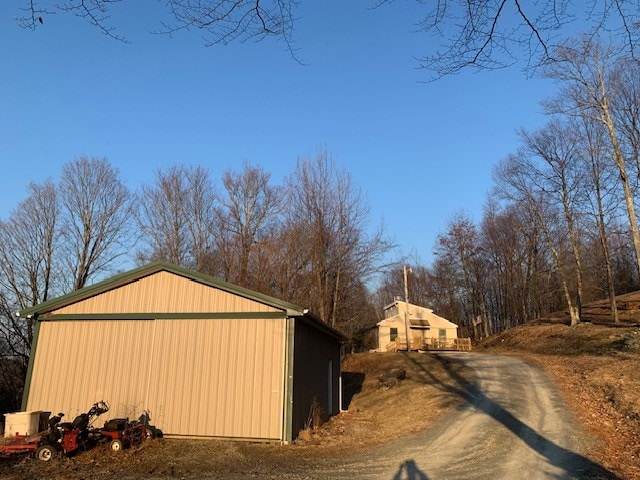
(624, 179)
(602, 234)
(574, 312)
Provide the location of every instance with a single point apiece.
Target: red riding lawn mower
(69, 437)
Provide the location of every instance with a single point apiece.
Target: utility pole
(406, 308)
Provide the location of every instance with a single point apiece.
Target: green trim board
(287, 424)
(32, 357)
(162, 316)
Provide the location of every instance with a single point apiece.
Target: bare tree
(459, 246)
(487, 35)
(200, 202)
(177, 217)
(559, 176)
(448, 294)
(599, 196)
(625, 106)
(225, 21)
(281, 262)
(97, 212)
(419, 285)
(333, 215)
(250, 207)
(519, 182)
(220, 21)
(161, 218)
(515, 261)
(28, 245)
(583, 67)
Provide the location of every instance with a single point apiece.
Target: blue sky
(419, 151)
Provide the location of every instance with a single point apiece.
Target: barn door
(218, 377)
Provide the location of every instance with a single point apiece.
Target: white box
(24, 423)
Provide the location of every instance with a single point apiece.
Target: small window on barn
(393, 334)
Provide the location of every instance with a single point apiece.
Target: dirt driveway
(512, 424)
(497, 418)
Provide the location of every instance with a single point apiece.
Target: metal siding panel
(218, 377)
(81, 362)
(164, 292)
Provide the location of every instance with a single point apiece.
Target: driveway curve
(512, 423)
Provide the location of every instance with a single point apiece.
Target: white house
(426, 329)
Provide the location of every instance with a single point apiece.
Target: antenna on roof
(406, 286)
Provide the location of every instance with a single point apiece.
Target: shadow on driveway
(410, 471)
(574, 464)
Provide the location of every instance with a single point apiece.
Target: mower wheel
(45, 452)
(116, 445)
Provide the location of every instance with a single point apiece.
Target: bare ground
(596, 367)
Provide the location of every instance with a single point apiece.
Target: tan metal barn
(205, 358)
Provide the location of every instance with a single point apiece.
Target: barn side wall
(196, 377)
(316, 374)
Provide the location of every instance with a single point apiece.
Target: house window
(393, 334)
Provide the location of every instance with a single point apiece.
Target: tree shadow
(351, 385)
(575, 465)
(411, 470)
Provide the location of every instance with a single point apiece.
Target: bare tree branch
(476, 34)
(33, 15)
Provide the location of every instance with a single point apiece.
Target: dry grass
(376, 415)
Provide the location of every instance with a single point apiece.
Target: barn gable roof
(139, 273)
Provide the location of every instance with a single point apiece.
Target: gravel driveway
(513, 424)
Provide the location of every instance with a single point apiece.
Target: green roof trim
(164, 316)
(32, 358)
